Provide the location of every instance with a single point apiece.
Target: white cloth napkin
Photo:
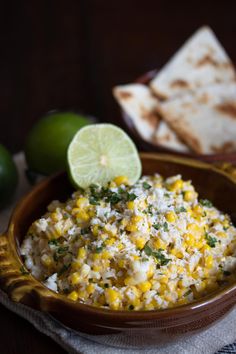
(207, 342)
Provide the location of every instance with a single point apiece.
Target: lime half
(100, 152)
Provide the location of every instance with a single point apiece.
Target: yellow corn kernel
(82, 294)
(121, 180)
(91, 213)
(120, 246)
(121, 263)
(132, 225)
(209, 261)
(97, 268)
(206, 247)
(194, 228)
(54, 216)
(181, 292)
(189, 196)
(170, 216)
(46, 260)
(162, 289)
(195, 275)
(150, 306)
(81, 253)
(140, 242)
(75, 278)
(225, 223)
(197, 209)
(145, 286)
(181, 284)
(221, 234)
(130, 205)
(112, 295)
(106, 255)
(158, 243)
(189, 240)
(96, 256)
(76, 265)
(164, 279)
(73, 296)
(199, 244)
(110, 241)
(129, 281)
(83, 215)
(82, 202)
(176, 186)
(95, 230)
(90, 289)
(180, 269)
(136, 257)
(58, 229)
(176, 253)
(75, 211)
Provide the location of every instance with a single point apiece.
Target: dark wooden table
(17, 336)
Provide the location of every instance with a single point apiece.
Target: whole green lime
(8, 176)
(47, 142)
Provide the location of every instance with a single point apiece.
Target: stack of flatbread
(190, 105)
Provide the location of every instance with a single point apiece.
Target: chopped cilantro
(181, 210)
(225, 228)
(131, 196)
(157, 226)
(147, 250)
(84, 231)
(99, 249)
(146, 185)
(23, 271)
(165, 226)
(161, 257)
(211, 241)
(94, 200)
(62, 250)
(53, 242)
(206, 203)
(226, 273)
(167, 195)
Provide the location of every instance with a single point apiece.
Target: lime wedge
(100, 152)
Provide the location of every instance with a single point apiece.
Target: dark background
(68, 55)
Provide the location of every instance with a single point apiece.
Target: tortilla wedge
(206, 119)
(201, 61)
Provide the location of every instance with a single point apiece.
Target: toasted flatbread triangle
(206, 119)
(199, 62)
(138, 103)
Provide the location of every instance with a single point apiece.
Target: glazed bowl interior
(149, 146)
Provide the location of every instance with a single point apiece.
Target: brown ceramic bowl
(148, 146)
(156, 326)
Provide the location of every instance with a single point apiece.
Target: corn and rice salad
(152, 245)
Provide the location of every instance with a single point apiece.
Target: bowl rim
(182, 311)
(145, 79)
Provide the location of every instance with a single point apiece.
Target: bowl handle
(15, 280)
